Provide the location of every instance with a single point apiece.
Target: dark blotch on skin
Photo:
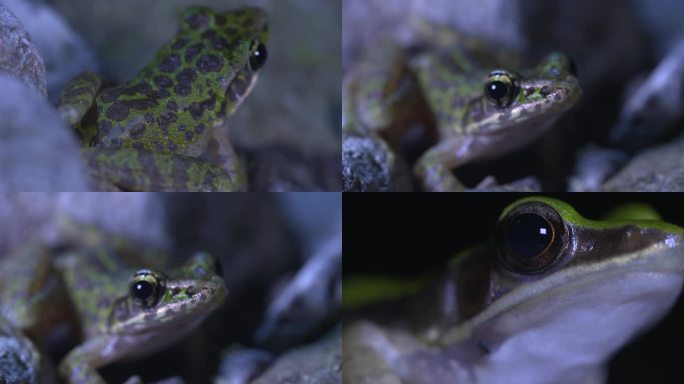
(545, 91)
(196, 110)
(209, 63)
(172, 146)
(529, 91)
(142, 88)
(180, 43)
(175, 291)
(181, 128)
(191, 52)
(117, 111)
(208, 35)
(190, 291)
(110, 94)
(231, 31)
(186, 76)
(149, 119)
(219, 43)
(163, 81)
(199, 128)
(189, 136)
(171, 105)
(166, 119)
(170, 63)
(182, 90)
(140, 104)
(137, 131)
(104, 126)
(197, 20)
(75, 92)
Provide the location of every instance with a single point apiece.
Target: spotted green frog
(124, 304)
(548, 301)
(473, 94)
(165, 130)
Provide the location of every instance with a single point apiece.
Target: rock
(367, 167)
(37, 151)
(317, 363)
(659, 169)
(18, 55)
(63, 51)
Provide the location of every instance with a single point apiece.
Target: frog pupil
(258, 58)
(497, 90)
(142, 290)
(528, 235)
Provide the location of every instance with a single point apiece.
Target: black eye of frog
(501, 88)
(531, 238)
(258, 57)
(146, 288)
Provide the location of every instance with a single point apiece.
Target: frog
(115, 293)
(165, 130)
(549, 299)
(477, 101)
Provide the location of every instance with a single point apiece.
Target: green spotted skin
(170, 120)
(95, 274)
(440, 81)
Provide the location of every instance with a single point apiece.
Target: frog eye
(258, 57)
(531, 238)
(146, 288)
(501, 87)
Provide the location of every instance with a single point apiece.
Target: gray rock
(317, 363)
(594, 166)
(653, 109)
(20, 361)
(367, 167)
(37, 151)
(64, 52)
(364, 20)
(660, 169)
(138, 216)
(282, 169)
(18, 55)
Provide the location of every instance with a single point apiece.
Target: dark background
(409, 234)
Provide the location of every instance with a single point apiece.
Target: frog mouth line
(241, 86)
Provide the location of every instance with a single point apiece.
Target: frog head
(157, 303)
(556, 292)
(529, 100)
(228, 49)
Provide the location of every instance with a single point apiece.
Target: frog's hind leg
(139, 170)
(77, 100)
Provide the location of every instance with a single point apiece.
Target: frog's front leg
(81, 363)
(139, 170)
(434, 168)
(76, 100)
